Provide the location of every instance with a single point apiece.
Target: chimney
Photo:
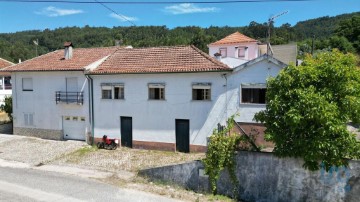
(217, 56)
(19, 60)
(68, 50)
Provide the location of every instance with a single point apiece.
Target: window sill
(201, 100)
(28, 90)
(253, 104)
(156, 99)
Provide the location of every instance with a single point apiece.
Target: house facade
(166, 98)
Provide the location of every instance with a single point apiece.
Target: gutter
(91, 106)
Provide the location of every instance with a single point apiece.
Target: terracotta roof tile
(54, 61)
(159, 59)
(5, 63)
(236, 37)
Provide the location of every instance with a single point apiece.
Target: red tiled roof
(236, 37)
(159, 59)
(54, 61)
(5, 63)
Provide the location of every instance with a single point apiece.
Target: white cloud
(187, 8)
(52, 11)
(123, 18)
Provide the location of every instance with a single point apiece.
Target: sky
(21, 16)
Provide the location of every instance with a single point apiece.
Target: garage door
(74, 127)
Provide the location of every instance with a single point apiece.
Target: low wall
(41, 133)
(264, 177)
(6, 128)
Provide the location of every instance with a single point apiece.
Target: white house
(167, 98)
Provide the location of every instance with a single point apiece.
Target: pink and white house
(5, 80)
(235, 49)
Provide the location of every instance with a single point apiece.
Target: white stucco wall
(154, 120)
(257, 73)
(41, 101)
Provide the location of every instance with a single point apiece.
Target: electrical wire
(116, 13)
(152, 2)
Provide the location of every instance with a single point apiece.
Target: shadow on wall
(264, 177)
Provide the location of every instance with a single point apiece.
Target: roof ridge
(7, 61)
(207, 56)
(107, 57)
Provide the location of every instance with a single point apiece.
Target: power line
(116, 13)
(151, 2)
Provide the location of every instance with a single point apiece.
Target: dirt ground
(123, 163)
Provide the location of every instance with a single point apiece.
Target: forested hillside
(19, 45)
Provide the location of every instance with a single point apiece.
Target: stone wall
(264, 177)
(41, 133)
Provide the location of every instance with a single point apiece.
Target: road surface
(25, 184)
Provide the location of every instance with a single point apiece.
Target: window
(27, 84)
(28, 119)
(112, 91)
(82, 118)
(253, 95)
(241, 52)
(157, 91)
(106, 92)
(7, 81)
(223, 52)
(119, 92)
(67, 118)
(201, 91)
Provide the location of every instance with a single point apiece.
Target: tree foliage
(7, 107)
(309, 106)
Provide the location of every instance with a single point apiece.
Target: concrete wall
(264, 177)
(41, 103)
(41, 133)
(6, 128)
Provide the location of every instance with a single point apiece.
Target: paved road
(24, 184)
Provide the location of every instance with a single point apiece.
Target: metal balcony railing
(69, 97)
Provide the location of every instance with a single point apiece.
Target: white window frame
(29, 82)
(206, 87)
(111, 87)
(29, 119)
(161, 91)
(251, 86)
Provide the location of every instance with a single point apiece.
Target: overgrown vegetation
(221, 155)
(7, 107)
(309, 106)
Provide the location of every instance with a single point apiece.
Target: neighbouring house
(167, 98)
(5, 80)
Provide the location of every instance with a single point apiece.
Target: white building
(5, 80)
(168, 98)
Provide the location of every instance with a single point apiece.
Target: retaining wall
(264, 177)
(41, 133)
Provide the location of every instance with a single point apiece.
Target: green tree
(309, 106)
(7, 107)
(350, 29)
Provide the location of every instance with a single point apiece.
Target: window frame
(242, 48)
(205, 89)
(253, 87)
(111, 87)
(161, 87)
(31, 82)
(224, 49)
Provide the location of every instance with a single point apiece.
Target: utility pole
(270, 22)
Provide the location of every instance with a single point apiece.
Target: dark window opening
(156, 93)
(201, 94)
(253, 95)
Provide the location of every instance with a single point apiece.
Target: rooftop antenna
(36, 42)
(270, 21)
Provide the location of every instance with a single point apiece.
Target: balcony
(69, 97)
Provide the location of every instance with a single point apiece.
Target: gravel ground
(34, 150)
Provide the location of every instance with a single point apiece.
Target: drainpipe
(91, 106)
(226, 91)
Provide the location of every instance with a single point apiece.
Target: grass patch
(84, 150)
(220, 198)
